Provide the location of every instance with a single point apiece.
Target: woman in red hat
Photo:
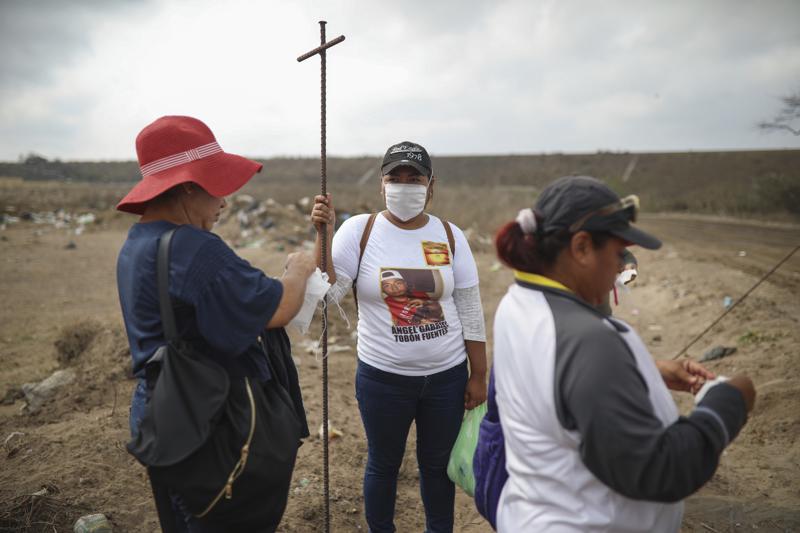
(221, 302)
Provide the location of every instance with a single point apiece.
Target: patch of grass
(754, 337)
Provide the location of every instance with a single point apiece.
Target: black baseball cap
(576, 203)
(407, 154)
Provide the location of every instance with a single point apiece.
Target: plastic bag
(316, 287)
(459, 467)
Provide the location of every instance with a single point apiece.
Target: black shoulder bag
(226, 446)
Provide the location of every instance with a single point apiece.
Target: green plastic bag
(459, 468)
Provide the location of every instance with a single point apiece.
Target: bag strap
(166, 514)
(362, 247)
(450, 239)
(164, 300)
(365, 238)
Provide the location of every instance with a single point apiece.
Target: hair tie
(526, 219)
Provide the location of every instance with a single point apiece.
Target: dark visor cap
(577, 203)
(407, 154)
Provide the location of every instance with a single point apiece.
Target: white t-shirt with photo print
(407, 320)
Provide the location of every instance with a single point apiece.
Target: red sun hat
(174, 150)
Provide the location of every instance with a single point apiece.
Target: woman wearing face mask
(413, 356)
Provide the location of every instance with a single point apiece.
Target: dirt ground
(56, 293)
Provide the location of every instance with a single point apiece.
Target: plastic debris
(742, 253)
(495, 266)
(13, 443)
(93, 523)
(37, 393)
(255, 244)
(86, 218)
(333, 433)
(718, 352)
(626, 277)
(244, 200)
(727, 302)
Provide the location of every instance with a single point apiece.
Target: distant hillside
(735, 183)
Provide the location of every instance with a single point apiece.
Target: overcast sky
(80, 79)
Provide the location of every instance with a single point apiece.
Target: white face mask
(405, 200)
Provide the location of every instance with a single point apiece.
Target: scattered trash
(742, 253)
(654, 327)
(718, 352)
(36, 394)
(626, 277)
(727, 302)
(315, 348)
(333, 433)
(243, 200)
(635, 312)
(13, 443)
(86, 218)
(93, 523)
(70, 245)
(338, 348)
(255, 244)
(304, 482)
(656, 338)
(495, 266)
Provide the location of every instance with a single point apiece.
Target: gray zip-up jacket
(594, 441)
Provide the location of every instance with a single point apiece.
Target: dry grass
(36, 513)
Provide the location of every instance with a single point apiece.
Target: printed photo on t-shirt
(436, 253)
(412, 295)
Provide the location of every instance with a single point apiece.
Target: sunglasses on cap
(629, 202)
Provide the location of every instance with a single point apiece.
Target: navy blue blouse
(221, 302)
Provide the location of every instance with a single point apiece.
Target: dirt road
(75, 445)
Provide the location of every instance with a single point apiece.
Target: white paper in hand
(708, 385)
(316, 287)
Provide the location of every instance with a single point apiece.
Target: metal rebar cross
(320, 50)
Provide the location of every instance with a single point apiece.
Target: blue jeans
(389, 403)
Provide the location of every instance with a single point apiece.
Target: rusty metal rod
(323, 170)
(322, 48)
